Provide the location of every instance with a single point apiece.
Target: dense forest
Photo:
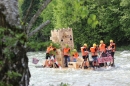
(91, 21)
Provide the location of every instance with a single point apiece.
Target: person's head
(66, 45)
(94, 45)
(51, 44)
(101, 41)
(74, 50)
(85, 45)
(111, 41)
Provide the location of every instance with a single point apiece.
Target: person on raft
(66, 53)
(108, 50)
(102, 48)
(49, 48)
(108, 53)
(113, 46)
(75, 55)
(85, 56)
(94, 54)
(102, 51)
(50, 56)
(53, 52)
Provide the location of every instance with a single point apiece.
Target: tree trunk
(14, 70)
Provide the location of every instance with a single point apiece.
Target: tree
(124, 22)
(14, 69)
(29, 13)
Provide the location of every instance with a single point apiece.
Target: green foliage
(2, 30)
(37, 46)
(42, 45)
(25, 5)
(11, 41)
(7, 52)
(53, 52)
(56, 45)
(72, 52)
(12, 74)
(2, 34)
(91, 21)
(121, 48)
(35, 6)
(64, 84)
(20, 2)
(1, 64)
(4, 84)
(72, 11)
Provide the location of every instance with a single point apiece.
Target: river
(117, 76)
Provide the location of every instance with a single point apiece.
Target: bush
(122, 48)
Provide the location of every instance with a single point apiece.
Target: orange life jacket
(51, 49)
(84, 53)
(66, 51)
(102, 48)
(113, 45)
(93, 51)
(76, 55)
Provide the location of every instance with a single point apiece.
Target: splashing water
(117, 76)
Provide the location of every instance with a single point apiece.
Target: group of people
(98, 51)
(95, 51)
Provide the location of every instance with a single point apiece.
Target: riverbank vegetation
(122, 48)
(91, 21)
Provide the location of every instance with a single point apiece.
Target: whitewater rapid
(118, 76)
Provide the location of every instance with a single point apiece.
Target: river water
(118, 76)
